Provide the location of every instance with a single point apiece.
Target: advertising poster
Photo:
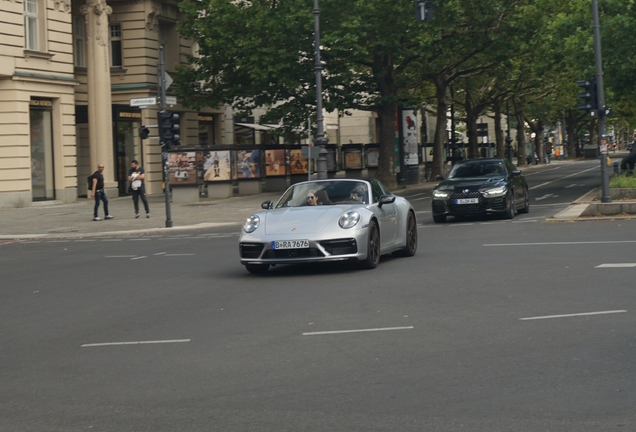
(248, 164)
(298, 164)
(216, 166)
(274, 163)
(373, 155)
(353, 159)
(409, 130)
(182, 168)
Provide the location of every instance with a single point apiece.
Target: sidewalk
(51, 220)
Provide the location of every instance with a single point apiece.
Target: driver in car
(357, 194)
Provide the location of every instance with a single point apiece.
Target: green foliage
(624, 180)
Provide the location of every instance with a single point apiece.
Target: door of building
(41, 130)
(128, 145)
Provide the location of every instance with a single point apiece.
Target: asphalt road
(522, 325)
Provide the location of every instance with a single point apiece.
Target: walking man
(136, 176)
(97, 192)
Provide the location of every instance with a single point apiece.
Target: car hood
(470, 183)
(302, 220)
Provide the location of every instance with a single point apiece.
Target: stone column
(100, 117)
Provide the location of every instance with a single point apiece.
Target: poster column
(409, 146)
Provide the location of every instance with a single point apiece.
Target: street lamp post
(508, 139)
(600, 108)
(320, 140)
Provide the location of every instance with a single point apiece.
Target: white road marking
(419, 194)
(617, 265)
(139, 257)
(188, 254)
(544, 197)
(112, 240)
(494, 223)
(139, 239)
(572, 185)
(423, 211)
(525, 221)
(541, 172)
(135, 343)
(160, 253)
(561, 243)
(358, 331)
(561, 178)
(573, 315)
(60, 241)
(419, 199)
(121, 256)
(81, 241)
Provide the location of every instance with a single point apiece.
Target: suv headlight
(251, 223)
(349, 219)
(496, 192)
(440, 194)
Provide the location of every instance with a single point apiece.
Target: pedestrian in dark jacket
(97, 192)
(136, 176)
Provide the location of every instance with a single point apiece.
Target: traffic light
(168, 128)
(144, 132)
(423, 10)
(590, 101)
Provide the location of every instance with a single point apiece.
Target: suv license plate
(467, 201)
(290, 244)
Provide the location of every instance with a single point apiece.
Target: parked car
(329, 220)
(481, 186)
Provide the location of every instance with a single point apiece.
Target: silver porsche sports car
(329, 220)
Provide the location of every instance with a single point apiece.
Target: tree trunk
(570, 128)
(441, 136)
(471, 131)
(386, 163)
(521, 140)
(499, 134)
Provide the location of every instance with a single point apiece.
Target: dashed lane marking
(572, 315)
(617, 265)
(357, 331)
(135, 343)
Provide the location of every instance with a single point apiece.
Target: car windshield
(478, 168)
(325, 193)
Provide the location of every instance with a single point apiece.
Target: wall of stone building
(26, 76)
(359, 127)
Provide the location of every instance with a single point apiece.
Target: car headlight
(349, 219)
(251, 223)
(440, 194)
(496, 192)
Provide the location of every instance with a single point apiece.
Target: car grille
(340, 246)
(251, 250)
(466, 208)
(293, 253)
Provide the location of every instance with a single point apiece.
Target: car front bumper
(448, 207)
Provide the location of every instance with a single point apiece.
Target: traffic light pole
(164, 145)
(600, 94)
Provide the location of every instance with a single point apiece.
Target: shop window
(116, 58)
(79, 41)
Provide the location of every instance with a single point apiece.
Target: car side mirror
(516, 172)
(439, 177)
(386, 199)
(266, 205)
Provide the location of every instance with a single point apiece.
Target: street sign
(143, 102)
(171, 100)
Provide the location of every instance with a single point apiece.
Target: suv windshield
(478, 168)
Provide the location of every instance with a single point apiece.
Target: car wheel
(439, 218)
(510, 213)
(257, 268)
(373, 248)
(526, 203)
(411, 238)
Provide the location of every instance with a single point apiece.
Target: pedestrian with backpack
(136, 176)
(96, 181)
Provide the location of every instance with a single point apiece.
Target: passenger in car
(323, 198)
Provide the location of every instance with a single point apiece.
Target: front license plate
(290, 244)
(467, 201)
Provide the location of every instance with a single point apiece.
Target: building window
(79, 41)
(207, 135)
(115, 46)
(169, 39)
(31, 30)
